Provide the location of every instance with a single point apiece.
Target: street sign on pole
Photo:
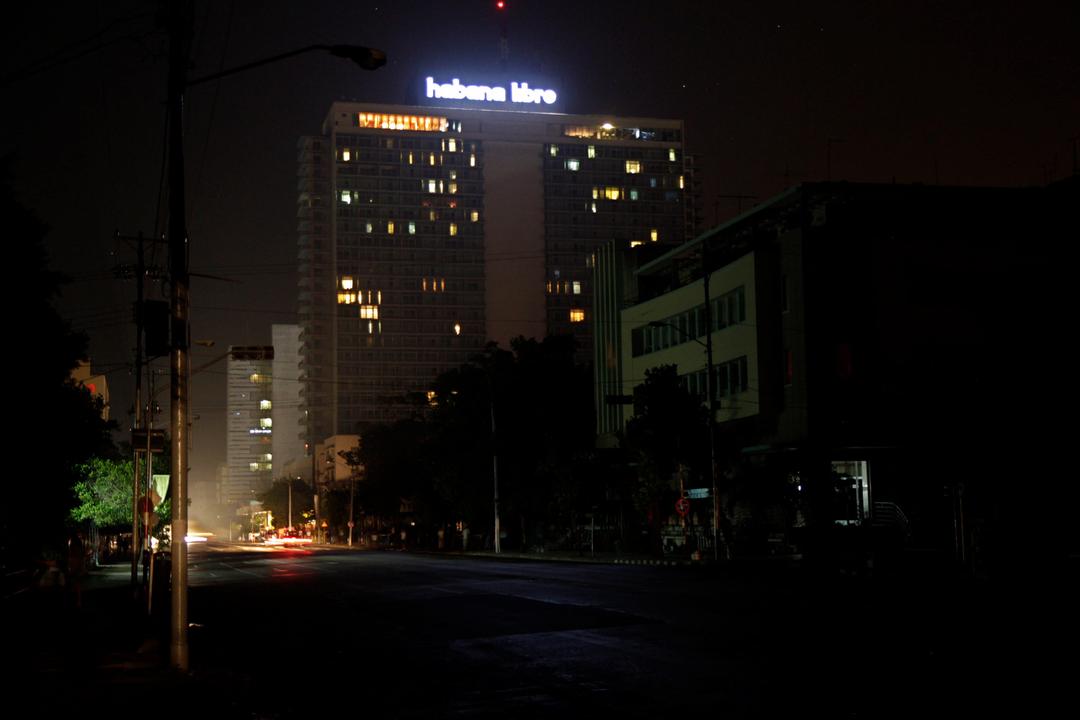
(682, 506)
(157, 440)
(698, 493)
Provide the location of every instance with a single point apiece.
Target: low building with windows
(863, 340)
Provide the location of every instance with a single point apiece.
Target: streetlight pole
(711, 401)
(495, 472)
(180, 25)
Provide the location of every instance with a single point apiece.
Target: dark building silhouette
(889, 363)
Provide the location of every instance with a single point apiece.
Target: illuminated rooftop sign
(520, 93)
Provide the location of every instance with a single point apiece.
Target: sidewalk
(105, 653)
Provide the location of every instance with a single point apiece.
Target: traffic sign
(682, 506)
(698, 493)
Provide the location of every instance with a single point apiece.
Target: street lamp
(180, 30)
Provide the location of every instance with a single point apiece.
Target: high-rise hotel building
(425, 232)
(248, 425)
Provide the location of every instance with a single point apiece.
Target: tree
(103, 494)
(276, 500)
(669, 430)
(62, 423)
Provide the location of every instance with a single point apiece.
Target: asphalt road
(283, 633)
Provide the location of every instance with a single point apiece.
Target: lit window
(453, 188)
(654, 235)
(254, 467)
(346, 197)
(390, 227)
(432, 399)
(264, 405)
(554, 150)
(453, 174)
(472, 160)
(346, 283)
(577, 287)
(346, 298)
(369, 312)
(633, 167)
(652, 182)
(440, 186)
(423, 284)
(633, 194)
(442, 284)
(611, 193)
(457, 328)
(432, 216)
(402, 122)
(636, 243)
(573, 164)
(266, 423)
(577, 315)
(592, 151)
(346, 155)
(410, 157)
(594, 207)
(432, 158)
(453, 228)
(682, 183)
(452, 145)
(671, 154)
(431, 186)
(412, 228)
(368, 227)
(474, 215)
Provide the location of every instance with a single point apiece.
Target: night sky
(951, 92)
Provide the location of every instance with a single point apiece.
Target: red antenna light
(500, 4)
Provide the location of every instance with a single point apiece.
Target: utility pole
(139, 273)
(180, 19)
(140, 270)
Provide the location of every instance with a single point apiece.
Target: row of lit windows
(357, 197)
(410, 226)
(620, 193)
(259, 466)
(417, 123)
(374, 327)
(410, 158)
(564, 287)
(607, 131)
(632, 166)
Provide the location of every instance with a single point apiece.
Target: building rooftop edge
(444, 110)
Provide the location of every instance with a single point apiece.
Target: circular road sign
(682, 506)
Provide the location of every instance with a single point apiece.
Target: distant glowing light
(608, 126)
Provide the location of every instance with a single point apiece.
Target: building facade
(249, 423)
(286, 444)
(426, 232)
(864, 341)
